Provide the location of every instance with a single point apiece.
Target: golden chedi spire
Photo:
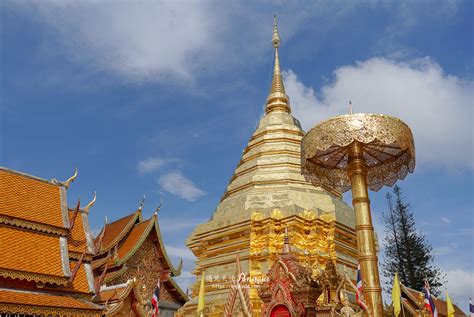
(277, 99)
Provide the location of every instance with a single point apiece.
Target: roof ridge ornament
(159, 207)
(142, 203)
(67, 182)
(277, 98)
(91, 203)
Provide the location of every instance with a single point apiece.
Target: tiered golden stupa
(266, 193)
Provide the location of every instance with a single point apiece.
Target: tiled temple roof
(31, 255)
(25, 302)
(115, 231)
(31, 199)
(39, 252)
(440, 304)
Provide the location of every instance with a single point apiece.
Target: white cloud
(179, 252)
(445, 220)
(151, 164)
(460, 286)
(146, 40)
(176, 184)
(171, 225)
(437, 106)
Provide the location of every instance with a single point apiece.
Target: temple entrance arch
(280, 311)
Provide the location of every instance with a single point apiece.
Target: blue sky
(160, 98)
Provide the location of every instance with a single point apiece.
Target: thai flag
(429, 304)
(155, 300)
(471, 307)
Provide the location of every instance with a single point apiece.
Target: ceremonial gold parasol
(360, 151)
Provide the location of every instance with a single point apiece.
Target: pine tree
(406, 250)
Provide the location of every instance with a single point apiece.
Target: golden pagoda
(266, 194)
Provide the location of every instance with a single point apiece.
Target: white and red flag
(359, 290)
(429, 303)
(155, 300)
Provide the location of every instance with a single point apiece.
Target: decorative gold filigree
(388, 150)
(47, 311)
(33, 225)
(34, 277)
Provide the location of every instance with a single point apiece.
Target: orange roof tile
(80, 283)
(31, 199)
(76, 239)
(116, 230)
(135, 238)
(30, 252)
(43, 300)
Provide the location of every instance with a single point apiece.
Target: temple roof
(115, 231)
(31, 199)
(31, 255)
(37, 244)
(130, 232)
(441, 305)
(26, 302)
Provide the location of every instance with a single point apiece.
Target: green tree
(406, 249)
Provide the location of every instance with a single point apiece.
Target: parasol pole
(367, 255)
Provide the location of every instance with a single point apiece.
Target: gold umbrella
(360, 151)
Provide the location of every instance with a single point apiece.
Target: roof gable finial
(277, 98)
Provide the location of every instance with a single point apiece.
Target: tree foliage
(406, 249)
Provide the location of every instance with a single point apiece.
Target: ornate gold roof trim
(28, 276)
(125, 230)
(43, 310)
(36, 226)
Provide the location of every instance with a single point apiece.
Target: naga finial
(106, 220)
(159, 206)
(91, 203)
(142, 203)
(70, 179)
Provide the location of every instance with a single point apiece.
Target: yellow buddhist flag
(396, 296)
(450, 306)
(200, 309)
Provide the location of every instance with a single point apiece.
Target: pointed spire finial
(277, 98)
(286, 242)
(142, 203)
(275, 36)
(159, 207)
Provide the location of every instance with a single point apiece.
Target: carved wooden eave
(130, 288)
(30, 276)
(35, 226)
